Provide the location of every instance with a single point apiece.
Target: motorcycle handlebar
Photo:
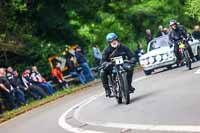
(106, 64)
(129, 61)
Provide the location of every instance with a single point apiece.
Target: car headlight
(158, 58)
(165, 57)
(151, 60)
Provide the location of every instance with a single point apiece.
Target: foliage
(47, 26)
(193, 9)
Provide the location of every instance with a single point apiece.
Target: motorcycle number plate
(118, 60)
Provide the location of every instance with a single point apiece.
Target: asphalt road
(167, 101)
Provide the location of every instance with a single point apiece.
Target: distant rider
(177, 34)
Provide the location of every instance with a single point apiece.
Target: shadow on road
(165, 69)
(195, 67)
(144, 96)
(161, 71)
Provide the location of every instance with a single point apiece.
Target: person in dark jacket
(139, 51)
(32, 88)
(177, 34)
(81, 59)
(115, 49)
(7, 91)
(161, 31)
(20, 96)
(1, 105)
(196, 32)
(27, 91)
(75, 70)
(149, 36)
(166, 31)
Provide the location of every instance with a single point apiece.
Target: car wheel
(169, 67)
(147, 72)
(198, 53)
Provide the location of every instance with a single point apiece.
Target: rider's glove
(133, 60)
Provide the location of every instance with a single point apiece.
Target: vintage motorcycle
(118, 78)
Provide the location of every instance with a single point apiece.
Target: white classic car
(160, 53)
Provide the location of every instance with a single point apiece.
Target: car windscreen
(158, 43)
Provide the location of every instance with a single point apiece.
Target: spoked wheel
(116, 90)
(198, 53)
(169, 67)
(118, 95)
(187, 59)
(124, 87)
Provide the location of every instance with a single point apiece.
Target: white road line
(169, 128)
(140, 78)
(68, 127)
(197, 72)
(62, 120)
(144, 127)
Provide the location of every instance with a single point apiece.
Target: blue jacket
(80, 57)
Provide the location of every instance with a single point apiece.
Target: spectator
(166, 31)
(149, 36)
(83, 63)
(7, 91)
(40, 81)
(20, 97)
(1, 104)
(36, 91)
(58, 76)
(196, 32)
(161, 31)
(139, 52)
(75, 71)
(25, 89)
(97, 54)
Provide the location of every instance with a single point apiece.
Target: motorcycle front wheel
(124, 87)
(187, 59)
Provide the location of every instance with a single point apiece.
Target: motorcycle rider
(115, 49)
(178, 33)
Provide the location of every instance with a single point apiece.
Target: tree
(193, 9)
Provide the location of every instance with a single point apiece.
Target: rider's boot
(131, 89)
(108, 92)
